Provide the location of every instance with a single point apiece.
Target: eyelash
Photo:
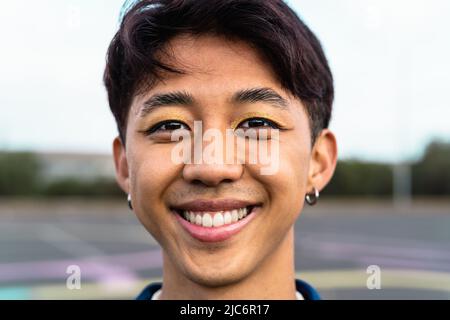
(272, 124)
(158, 126)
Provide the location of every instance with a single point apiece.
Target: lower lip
(216, 234)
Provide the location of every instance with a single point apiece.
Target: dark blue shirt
(307, 291)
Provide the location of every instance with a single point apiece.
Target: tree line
(21, 175)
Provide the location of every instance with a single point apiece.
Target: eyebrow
(255, 95)
(183, 98)
(166, 99)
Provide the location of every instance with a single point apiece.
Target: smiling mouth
(211, 219)
(217, 219)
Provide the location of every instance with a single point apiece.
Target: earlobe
(121, 164)
(323, 160)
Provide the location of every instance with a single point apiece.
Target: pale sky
(390, 61)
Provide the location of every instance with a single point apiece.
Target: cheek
(150, 176)
(286, 187)
(152, 168)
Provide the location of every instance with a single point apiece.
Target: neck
(274, 278)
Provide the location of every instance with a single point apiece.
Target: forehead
(209, 53)
(213, 66)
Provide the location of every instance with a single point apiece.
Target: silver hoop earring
(129, 202)
(311, 198)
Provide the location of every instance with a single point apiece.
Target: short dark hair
(270, 26)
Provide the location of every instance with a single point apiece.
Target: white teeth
(192, 217)
(218, 220)
(234, 216)
(207, 220)
(240, 213)
(227, 217)
(215, 219)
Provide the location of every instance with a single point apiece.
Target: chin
(216, 276)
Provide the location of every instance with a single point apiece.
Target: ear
(323, 161)
(121, 164)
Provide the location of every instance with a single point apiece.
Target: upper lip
(214, 205)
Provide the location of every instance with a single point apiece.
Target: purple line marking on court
(404, 264)
(333, 249)
(98, 268)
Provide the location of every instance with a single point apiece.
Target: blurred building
(82, 166)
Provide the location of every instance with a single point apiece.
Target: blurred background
(387, 206)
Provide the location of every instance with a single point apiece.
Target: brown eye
(257, 128)
(169, 125)
(258, 123)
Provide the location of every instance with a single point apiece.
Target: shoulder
(308, 292)
(148, 291)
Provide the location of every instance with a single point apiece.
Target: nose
(212, 174)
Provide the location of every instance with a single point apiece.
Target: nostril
(209, 183)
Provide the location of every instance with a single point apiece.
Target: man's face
(161, 189)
